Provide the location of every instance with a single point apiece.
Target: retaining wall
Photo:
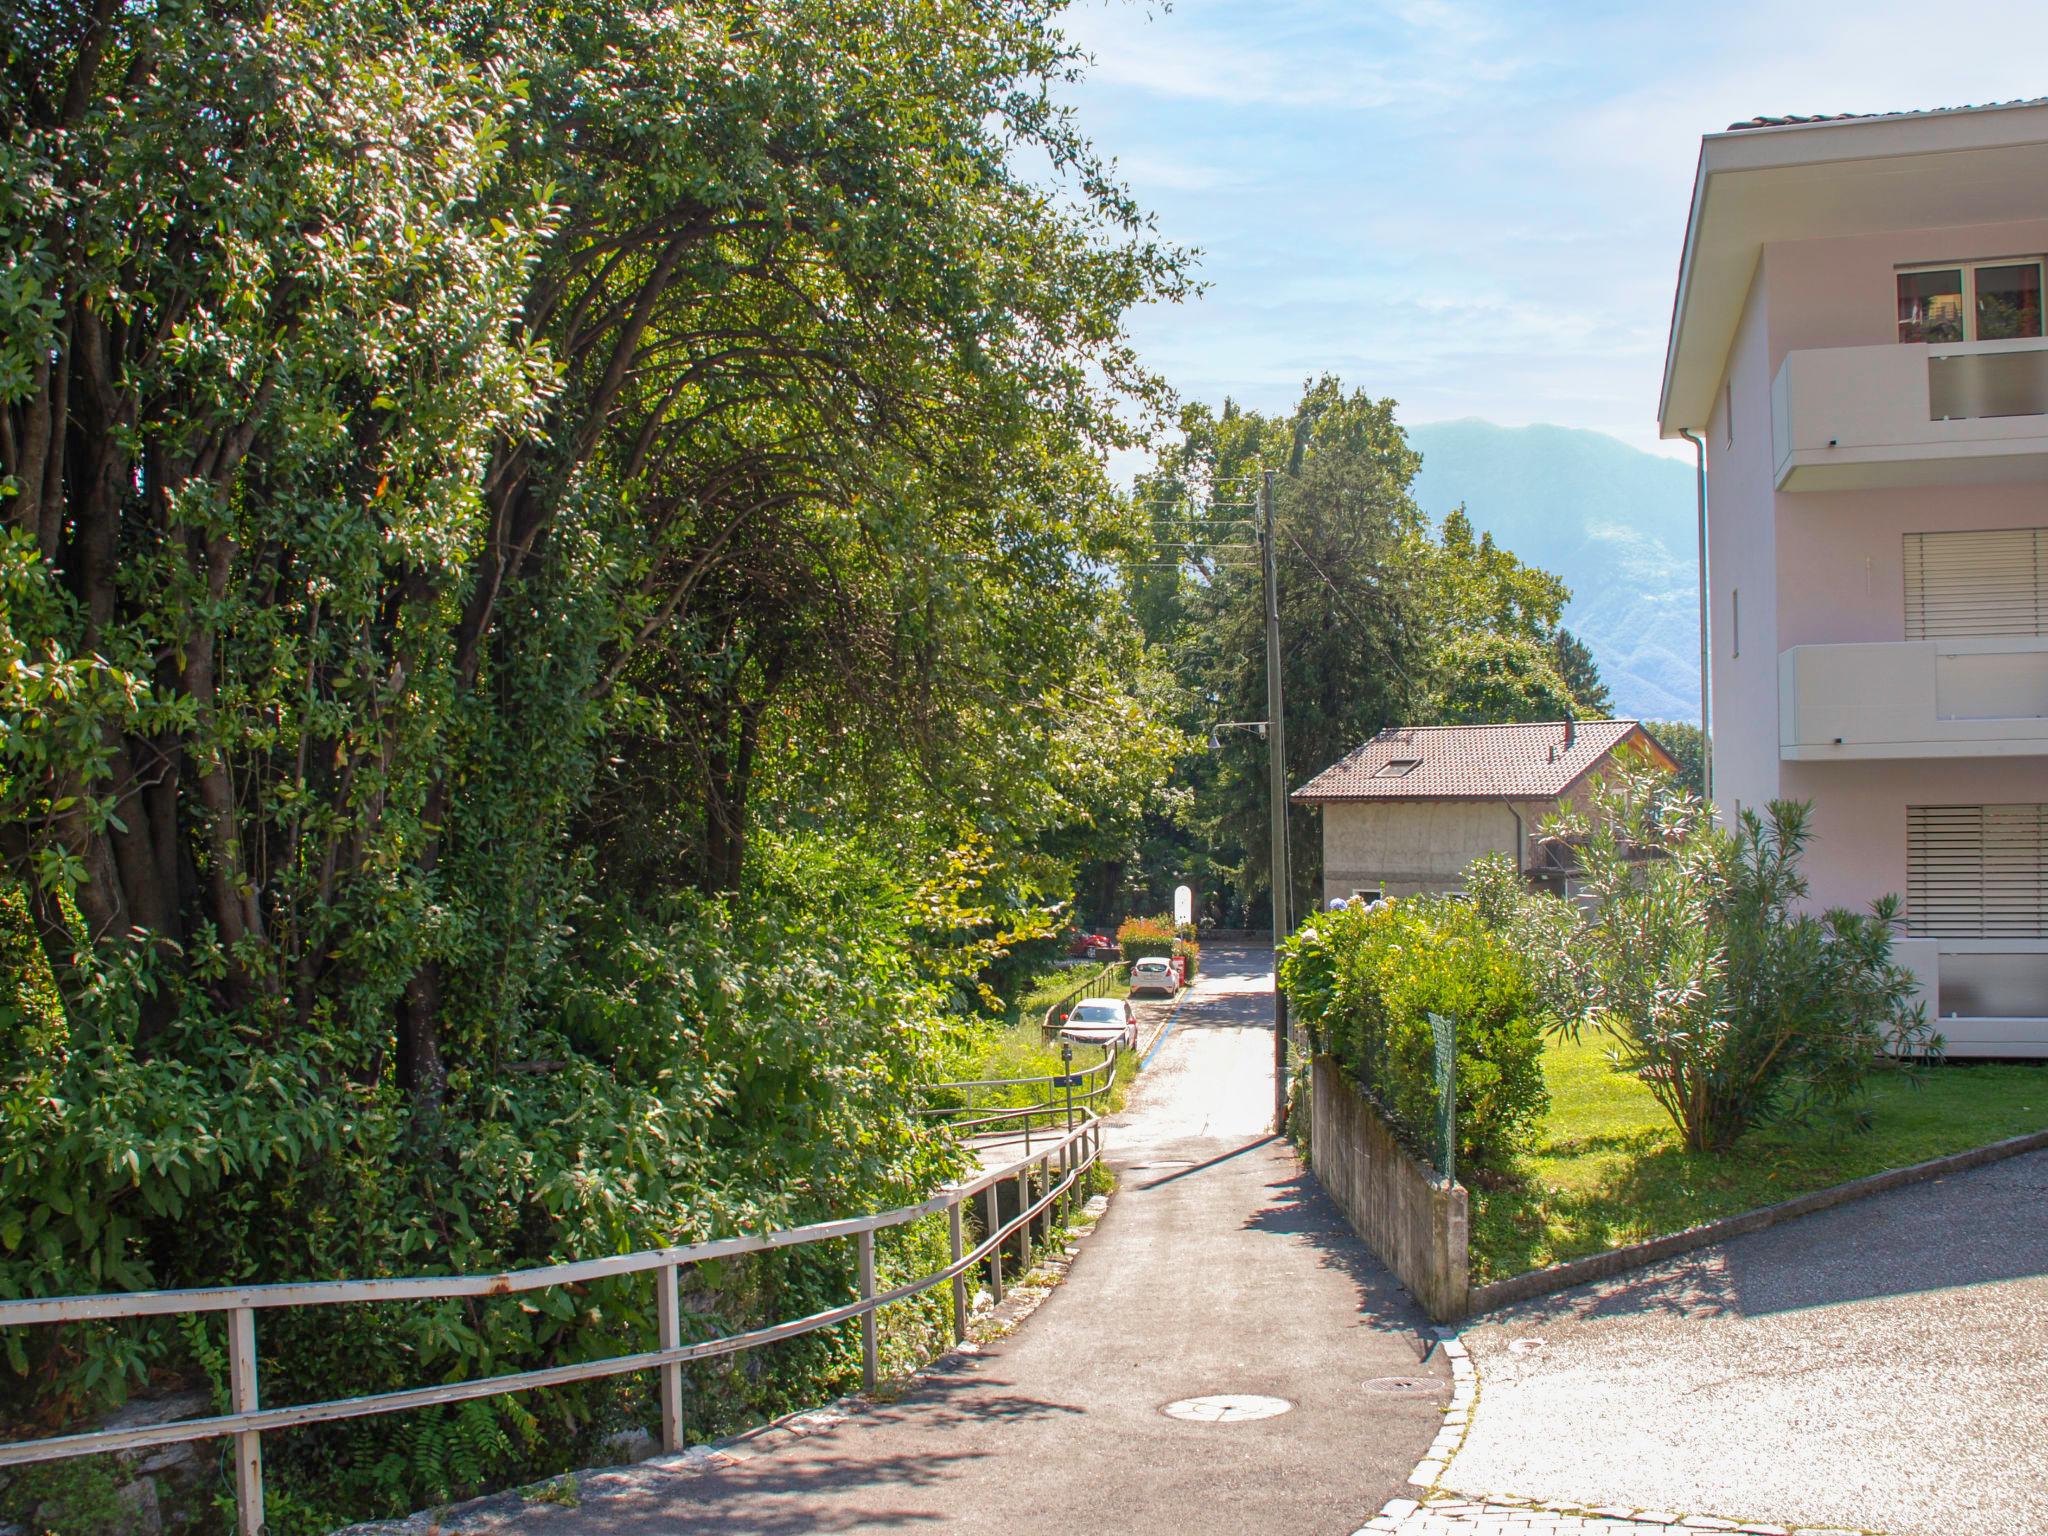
(1413, 1221)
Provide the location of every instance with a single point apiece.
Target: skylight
(1397, 768)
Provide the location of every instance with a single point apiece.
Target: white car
(1101, 1021)
(1155, 973)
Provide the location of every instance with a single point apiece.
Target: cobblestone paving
(1507, 1515)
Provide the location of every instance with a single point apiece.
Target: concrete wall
(1415, 1224)
(1411, 847)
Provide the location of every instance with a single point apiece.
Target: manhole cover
(1525, 1346)
(1226, 1408)
(1406, 1386)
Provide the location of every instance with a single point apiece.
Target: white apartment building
(1858, 339)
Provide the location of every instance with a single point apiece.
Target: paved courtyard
(1882, 1366)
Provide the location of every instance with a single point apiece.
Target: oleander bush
(1733, 1004)
(1364, 983)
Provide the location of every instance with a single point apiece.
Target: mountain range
(1616, 523)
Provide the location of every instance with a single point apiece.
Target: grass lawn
(1608, 1169)
(1017, 1046)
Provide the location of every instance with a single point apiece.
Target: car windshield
(1094, 1013)
(1151, 965)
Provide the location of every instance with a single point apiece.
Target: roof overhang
(1820, 180)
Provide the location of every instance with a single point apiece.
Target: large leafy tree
(402, 405)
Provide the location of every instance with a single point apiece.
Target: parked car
(1156, 973)
(1092, 946)
(1101, 1021)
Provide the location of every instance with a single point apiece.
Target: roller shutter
(1993, 582)
(1977, 871)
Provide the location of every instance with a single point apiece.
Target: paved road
(1881, 1366)
(1219, 1268)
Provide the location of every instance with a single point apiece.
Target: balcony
(1913, 699)
(1958, 413)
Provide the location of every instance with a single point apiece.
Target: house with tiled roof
(1407, 812)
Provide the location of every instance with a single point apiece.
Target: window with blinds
(1993, 582)
(1977, 871)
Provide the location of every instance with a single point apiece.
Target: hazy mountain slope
(1616, 523)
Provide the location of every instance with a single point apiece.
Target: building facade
(1409, 811)
(1858, 340)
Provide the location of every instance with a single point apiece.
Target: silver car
(1101, 1021)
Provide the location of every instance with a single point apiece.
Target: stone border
(1599, 1266)
(1436, 1511)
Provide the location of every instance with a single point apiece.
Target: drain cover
(1406, 1386)
(1226, 1408)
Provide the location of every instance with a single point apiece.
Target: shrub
(1142, 937)
(1364, 984)
(1733, 1008)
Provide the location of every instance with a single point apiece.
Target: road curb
(1434, 1510)
(1600, 1266)
(1158, 1039)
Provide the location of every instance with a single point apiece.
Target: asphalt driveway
(1881, 1366)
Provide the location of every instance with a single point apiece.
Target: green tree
(1497, 679)
(1580, 674)
(1687, 745)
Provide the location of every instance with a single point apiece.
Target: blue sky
(1475, 208)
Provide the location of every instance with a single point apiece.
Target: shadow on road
(1299, 1209)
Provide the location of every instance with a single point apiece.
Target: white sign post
(1183, 906)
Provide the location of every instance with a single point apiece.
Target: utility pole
(1276, 748)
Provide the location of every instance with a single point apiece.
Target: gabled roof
(1474, 762)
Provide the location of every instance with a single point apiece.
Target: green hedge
(1363, 984)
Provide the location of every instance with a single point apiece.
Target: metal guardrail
(1079, 990)
(1076, 1147)
(1083, 1090)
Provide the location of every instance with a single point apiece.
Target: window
(1991, 582)
(1979, 301)
(1977, 871)
(1397, 768)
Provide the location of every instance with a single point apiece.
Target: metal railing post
(242, 1397)
(868, 1354)
(993, 1207)
(956, 1239)
(668, 1309)
(1023, 1221)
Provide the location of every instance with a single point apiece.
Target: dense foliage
(554, 614)
(1363, 983)
(1734, 1006)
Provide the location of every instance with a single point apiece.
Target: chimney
(1571, 732)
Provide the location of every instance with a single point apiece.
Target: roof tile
(1468, 762)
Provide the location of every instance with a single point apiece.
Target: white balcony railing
(1845, 418)
(1913, 699)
